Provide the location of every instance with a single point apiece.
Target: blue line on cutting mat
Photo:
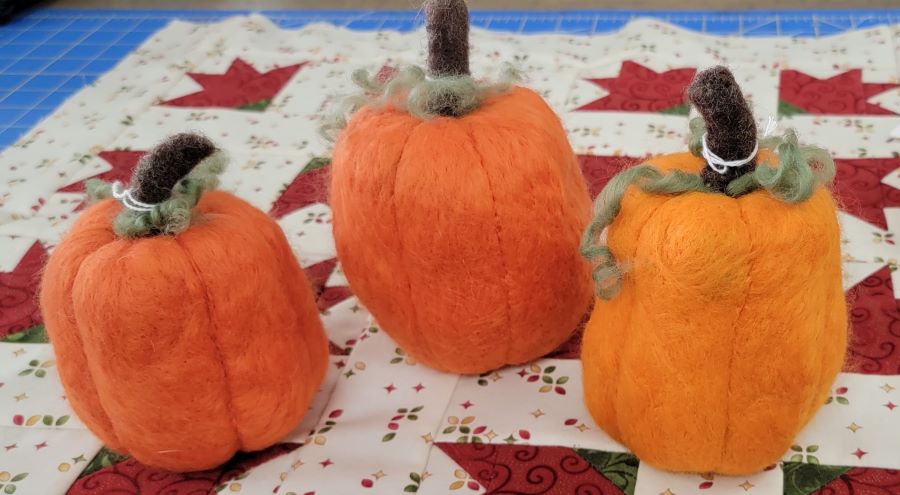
(49, 54)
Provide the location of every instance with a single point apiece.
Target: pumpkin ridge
(251, 214)
(498, 229)
(811, 406)
(71, 301)
(618, 370)
(229, 400)
(727, 433)
(422, 342)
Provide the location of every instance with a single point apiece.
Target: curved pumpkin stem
(447, 25)
(158, 171)
(730, 128)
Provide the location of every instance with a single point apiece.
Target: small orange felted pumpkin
(458, 207)
(183, 327)
(719, 332)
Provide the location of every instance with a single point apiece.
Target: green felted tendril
(800, 170)
(607, 274)
(172, 215)
(410, 90)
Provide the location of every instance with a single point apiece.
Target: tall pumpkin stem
(730, 127)
(159, 170)
(447, 25)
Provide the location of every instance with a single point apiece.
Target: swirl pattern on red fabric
(18, 288)
(640, 89)
(874, 345)
(527, 469)
(841, 94)
(863, 481)
(859, 189)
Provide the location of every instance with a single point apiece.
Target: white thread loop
(127, 200)
(771, 125)
(719, 164)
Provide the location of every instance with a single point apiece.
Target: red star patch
(18, 292)
(860, 191)
(640, 89)
(308, 187)
(890, 405)
(860, 453)
(842, 94)
(503, 468)
(390, 388)
(331, 296)
(598, 169)
(319, 273)
(873, 309)
(241, 87)
(419, 387)
(123, 163)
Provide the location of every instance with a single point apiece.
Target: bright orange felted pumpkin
(458, 207)
(719, 332)
(184, 331)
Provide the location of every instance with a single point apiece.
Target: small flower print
(8, 481)
(805, 454)
(38, 368)
(402, 414)
(463, 480)
(838, 397)
(535, 373)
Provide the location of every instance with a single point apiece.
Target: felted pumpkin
(183, 326)
(720, 321)
(458, 206)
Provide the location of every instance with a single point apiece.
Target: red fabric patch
(308, 187)
(331, 296)
(639, 89)
(123, 163)
(599, 169)
(18, 292)
(860, 191)
(319, 273)
(130, 477)
(863, 481)
(875, 326)
(842, 94)
(240, 86)
(526, 469)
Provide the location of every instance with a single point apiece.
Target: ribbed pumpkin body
(461, 235)
(182, 350)
(728, 331)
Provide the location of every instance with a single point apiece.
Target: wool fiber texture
(182, 349)
(461, 235)
(731, 130)
(724, 336)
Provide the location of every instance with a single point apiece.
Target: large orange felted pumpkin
(720, 321)
(183, 327)
(458, 207)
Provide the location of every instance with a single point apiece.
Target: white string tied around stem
(721, 165)
(128, 201)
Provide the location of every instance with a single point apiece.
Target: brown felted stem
(447, 25)
(159, 170)
(730, 128)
